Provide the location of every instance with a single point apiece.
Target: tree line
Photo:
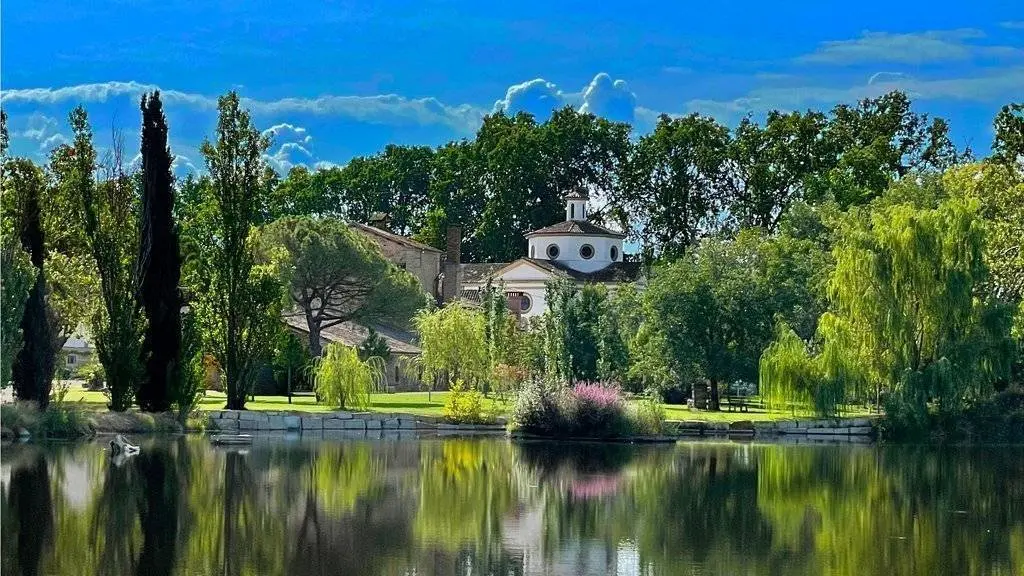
(753, 235)
(174, 277)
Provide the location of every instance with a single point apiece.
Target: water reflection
(473, 506)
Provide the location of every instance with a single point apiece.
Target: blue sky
(337, 79)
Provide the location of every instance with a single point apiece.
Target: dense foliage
(159, 267)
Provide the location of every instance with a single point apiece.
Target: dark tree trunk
(714, 404)
(159, 265)
(315, 347)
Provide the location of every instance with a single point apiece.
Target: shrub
(586, 410)
(536, 409)
(648, 417)
(594, 409)
(345, 381)
(465, 406)
(92, 373)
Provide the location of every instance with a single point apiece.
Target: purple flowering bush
(588, 409)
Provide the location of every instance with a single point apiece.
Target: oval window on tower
(525, 303)
(615, 253)
(586, 251)
(553, 251)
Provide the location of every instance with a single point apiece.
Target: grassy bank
(424, 404)
(74, 420)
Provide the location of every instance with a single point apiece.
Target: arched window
(615, 253)
(533, 251)
(572, 211)
(553, 251)
(586, 251)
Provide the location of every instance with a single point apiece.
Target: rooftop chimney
(452, 286)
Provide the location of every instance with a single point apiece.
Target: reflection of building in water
(523, 534)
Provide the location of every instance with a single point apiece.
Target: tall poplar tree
(159, 263)
(239, 302)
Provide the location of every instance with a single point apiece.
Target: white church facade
(575, 249)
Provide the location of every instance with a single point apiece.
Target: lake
(492, 506)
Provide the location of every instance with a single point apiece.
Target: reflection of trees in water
(28, 517)
(441, 507)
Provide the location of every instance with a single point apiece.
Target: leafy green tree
(334, 274)
(674, 184)
(16, 273)
(453, 344)
(714, 311)
(159, 264)
(16, 281)
(456, 197)
(110, 213)
(881, 140)
(1008, 144)
(773, 166)
(237, 300)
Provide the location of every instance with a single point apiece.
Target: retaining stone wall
(245, 421)
(855, 427)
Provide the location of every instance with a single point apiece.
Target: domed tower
(576, 243)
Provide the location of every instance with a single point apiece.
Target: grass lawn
(418, 403)
(406, 402)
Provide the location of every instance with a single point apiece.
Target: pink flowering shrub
(587, 409)
(594, 409)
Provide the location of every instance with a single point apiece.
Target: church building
(575, 250)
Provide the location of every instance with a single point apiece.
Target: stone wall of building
(420, 260)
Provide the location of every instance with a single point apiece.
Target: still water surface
(489, 506)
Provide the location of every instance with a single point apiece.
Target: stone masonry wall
(246, 421)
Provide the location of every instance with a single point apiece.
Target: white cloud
(538, 97)
(913, 48)
(53, 141)
(289, 132)
(610, 99)
(603, 96)
(289, 155)
(1013, 24)
(388, 109)
(992, 87)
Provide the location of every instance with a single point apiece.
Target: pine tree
(159, 264)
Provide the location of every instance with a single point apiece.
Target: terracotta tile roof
(352, 334)
(576, 227)
(393, 237)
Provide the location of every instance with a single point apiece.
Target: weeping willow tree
(345, 381)
(792, 378)
(909, 317)
(454, 345)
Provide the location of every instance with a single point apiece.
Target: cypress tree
(160, 264)
(34, 365)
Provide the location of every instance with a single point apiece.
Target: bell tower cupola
(576, 207)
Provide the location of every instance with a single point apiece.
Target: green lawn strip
(429, 405)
